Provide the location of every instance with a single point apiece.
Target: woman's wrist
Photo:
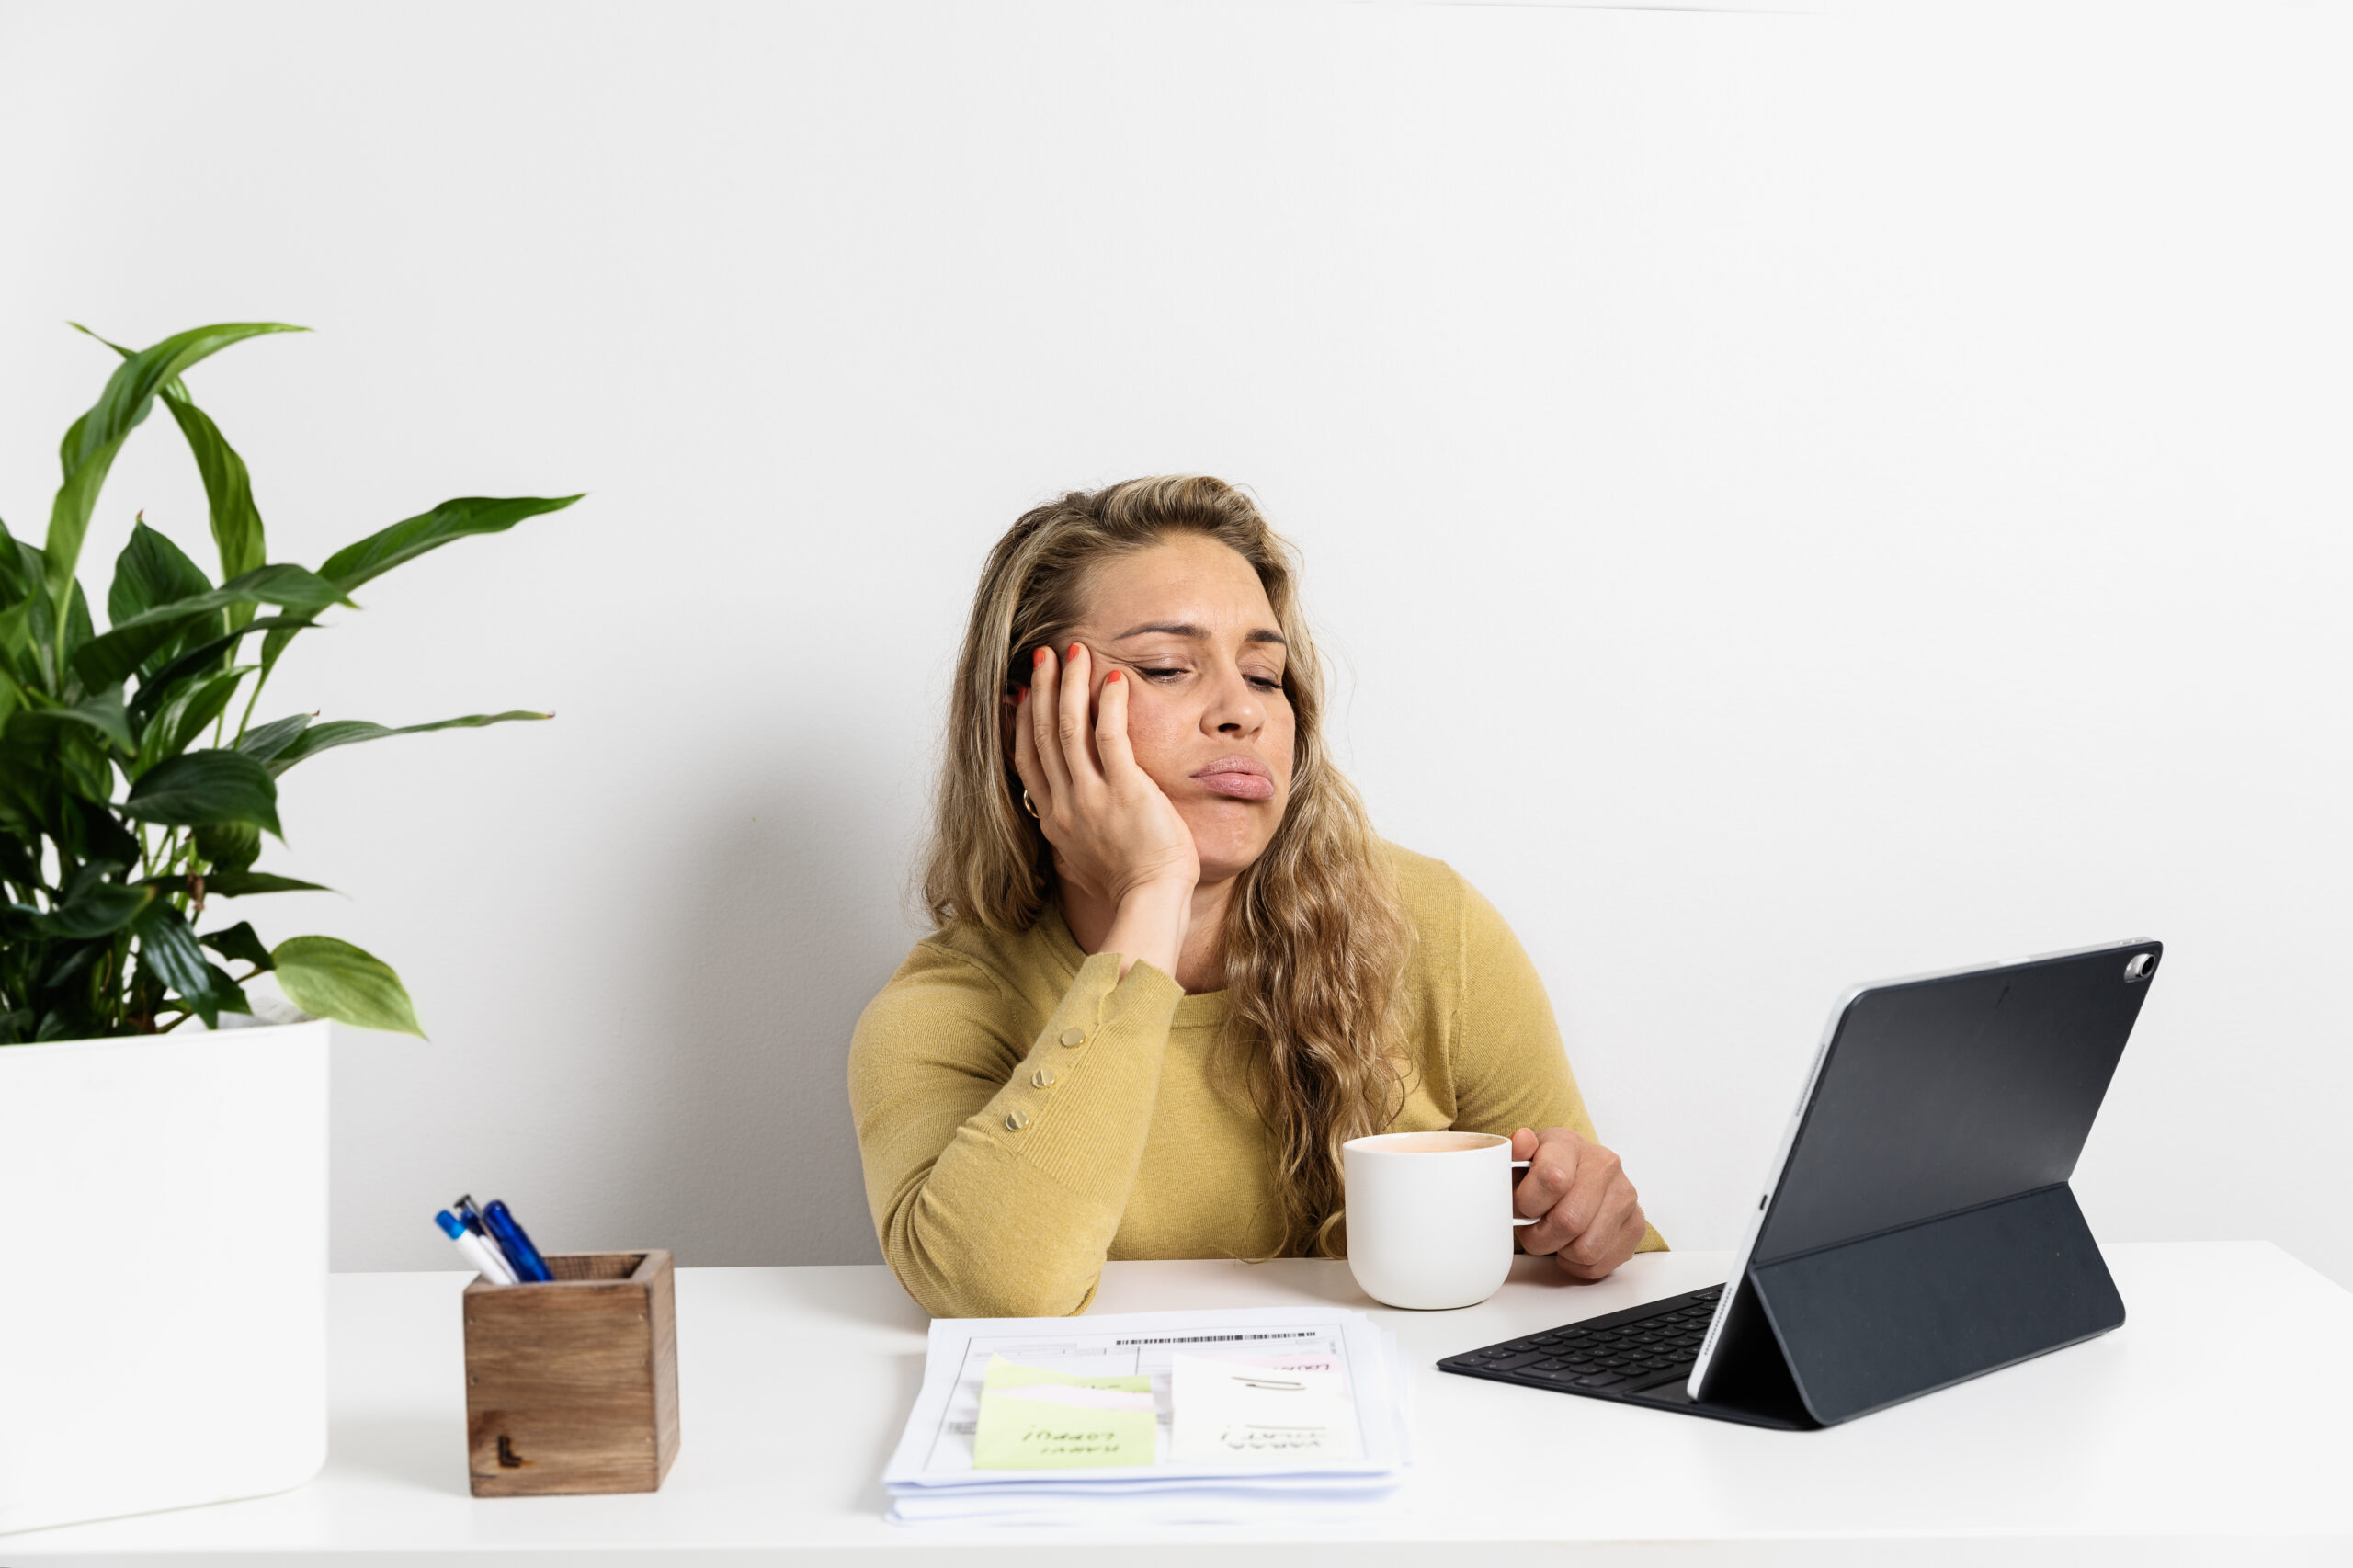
(1149, 925)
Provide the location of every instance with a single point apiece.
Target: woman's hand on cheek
(1116, 835)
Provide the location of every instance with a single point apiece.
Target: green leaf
(330, 979)
(88, 875)
(183, 717)
(412, 537)
(77, 625)
(229, 846)
(228, 487)
(167, 948)
(351, 732)
(241, 884)
(98, 911)
(20, 567)
(84, 765)
(150, 571)
(79, 956)
(154, 689)
(16, 630)
(39, 616)
(267, 741)
(121, 651)
(235, 883)
(69, 520)
(227, 995)
(102, 713)
(236, 524)
(94, 833)
(239, 943)
(89, 448)
(19, 863)
(206, 787)
(16, 581)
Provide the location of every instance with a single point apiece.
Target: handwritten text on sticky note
(1032, 1418)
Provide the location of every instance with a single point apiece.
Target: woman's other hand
(1591, 1220)
(1114, 831)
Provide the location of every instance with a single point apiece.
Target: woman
(1175, 970)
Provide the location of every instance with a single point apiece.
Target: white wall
(1794, 498)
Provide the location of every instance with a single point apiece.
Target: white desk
(2211, 1428)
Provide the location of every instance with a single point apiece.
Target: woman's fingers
(1111, 728)
(1032, 772)
(1076, 731)
(1616, 1232)
(1583, 1199)
(1045, 714)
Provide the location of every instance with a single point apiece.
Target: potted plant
(162, 1330)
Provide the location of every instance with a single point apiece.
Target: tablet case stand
(1824, 1336)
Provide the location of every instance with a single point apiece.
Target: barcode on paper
(1220, 1339)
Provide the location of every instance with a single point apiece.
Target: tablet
(1933, 1096)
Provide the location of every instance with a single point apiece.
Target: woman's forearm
(1014, 1216)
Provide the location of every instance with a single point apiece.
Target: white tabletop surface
(2210, 1427)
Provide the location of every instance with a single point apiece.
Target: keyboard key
(1599, 1380)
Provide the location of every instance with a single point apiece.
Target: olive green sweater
(1024, 1113)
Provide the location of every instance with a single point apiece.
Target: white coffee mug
(1429, 1216)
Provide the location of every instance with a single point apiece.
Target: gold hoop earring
(1029, 805)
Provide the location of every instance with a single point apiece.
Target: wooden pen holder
(573, 1385)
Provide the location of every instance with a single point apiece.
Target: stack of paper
(1154, 1417)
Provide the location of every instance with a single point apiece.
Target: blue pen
(530, 1266)
(470, 1216)
(476, 1250)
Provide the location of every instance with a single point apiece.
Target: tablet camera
(2138, 967)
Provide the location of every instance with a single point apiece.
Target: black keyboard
(1621, 1354)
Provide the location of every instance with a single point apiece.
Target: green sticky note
(1068, 1421)
(1023, 1434)
(1005, 1374)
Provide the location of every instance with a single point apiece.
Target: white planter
(163, 1320)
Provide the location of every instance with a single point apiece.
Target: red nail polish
(1040, 657)
(1110, 678)
(1023, 697)
(1073, 654)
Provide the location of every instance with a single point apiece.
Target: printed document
(1269, 1398)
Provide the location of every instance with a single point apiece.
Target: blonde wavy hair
(1314, 939)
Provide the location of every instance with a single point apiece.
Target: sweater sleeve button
(1074, 1038)
(1043, 1078)
(1014, 1121)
